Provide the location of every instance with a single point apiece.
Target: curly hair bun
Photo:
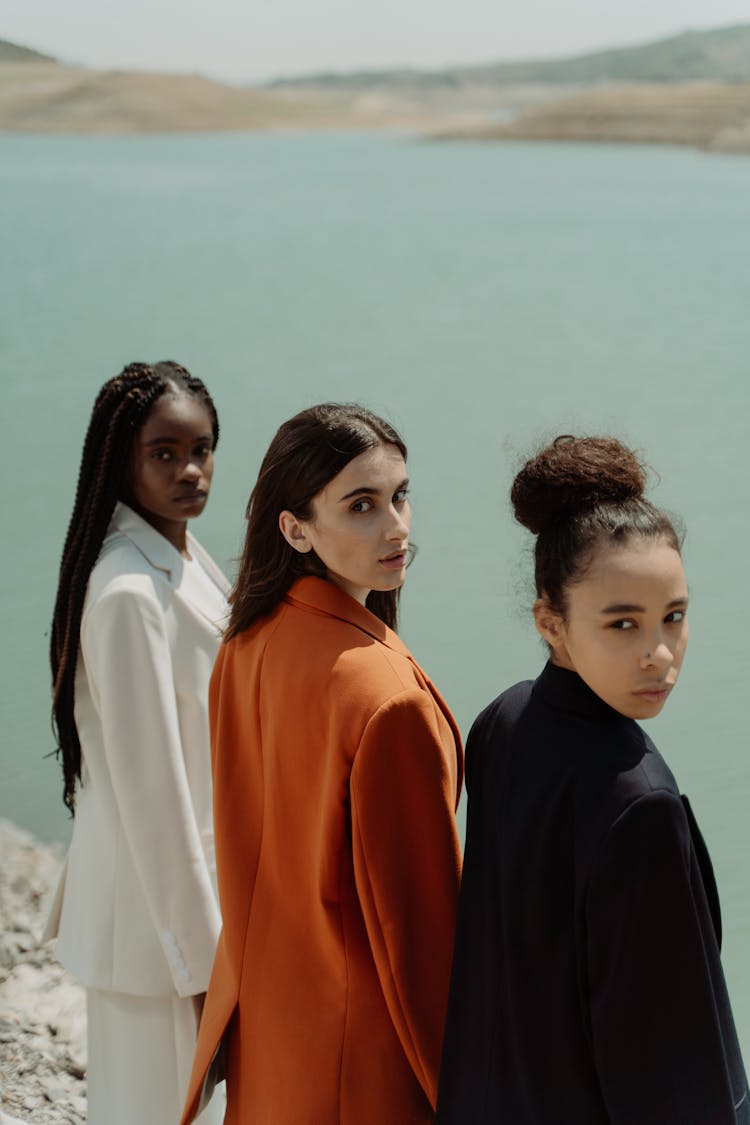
(573, 474)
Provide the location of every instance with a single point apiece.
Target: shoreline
(49, 99)
(42, 1009)
(713, 117)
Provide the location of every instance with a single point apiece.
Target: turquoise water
(483, 297)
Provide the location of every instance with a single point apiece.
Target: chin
(384, 586)
(190, 511)
(644, 710)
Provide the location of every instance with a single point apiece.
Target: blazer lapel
(208, 564)
(163, 556)
(157, 550)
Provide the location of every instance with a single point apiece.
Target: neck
(175, 531)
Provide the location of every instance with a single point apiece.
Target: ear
(549, 624)
(293, 531)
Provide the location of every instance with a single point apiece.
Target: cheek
(350, 549)
(150, 479)
(602, 655)
(147, 474)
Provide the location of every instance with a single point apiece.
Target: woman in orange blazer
(337, 769)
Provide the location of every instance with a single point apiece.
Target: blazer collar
(564, 690)
(322, 596)
(150, 542)
(158, 551)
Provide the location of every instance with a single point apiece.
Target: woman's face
(172, 463)
(625, 629)
(359, 527)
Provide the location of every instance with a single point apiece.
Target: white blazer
(136, 910)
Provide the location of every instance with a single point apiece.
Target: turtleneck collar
(564, 690)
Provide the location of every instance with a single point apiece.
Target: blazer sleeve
(407, 869)
(127, 655)
(663, 1038)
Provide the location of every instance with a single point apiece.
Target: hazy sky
(250, 40)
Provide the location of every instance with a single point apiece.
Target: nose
(658, 653)
(398, 530)
(190, 470)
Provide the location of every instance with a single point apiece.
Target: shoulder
(381, 673)
(119, 561)
(123, 580)
(625, 799)
(500, 716)
(346, 676)
(405, 736)
(661, 804)
(625, 773)
(400, 704)
(506, 707)
(651, 832)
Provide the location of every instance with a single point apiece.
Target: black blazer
(587, 986)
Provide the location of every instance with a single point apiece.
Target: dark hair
(306, 453)
(576, 493)
(121, 408)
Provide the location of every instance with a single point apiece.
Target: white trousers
(140, 1054)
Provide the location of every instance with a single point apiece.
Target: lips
(395, 561)
(190, 497)
(654, 691)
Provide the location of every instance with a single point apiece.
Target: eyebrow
(365, 490)
(624, 607)
(176, 441)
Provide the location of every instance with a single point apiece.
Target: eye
(675, 617)
(202, 450)
(623, 624)
(162, 455)
(362, 505)
(399, 497)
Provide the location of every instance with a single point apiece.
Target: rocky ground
(42, 1010)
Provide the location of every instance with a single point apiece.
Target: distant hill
(691, 89)
(38, 96)
(719, 55)
(12, 52)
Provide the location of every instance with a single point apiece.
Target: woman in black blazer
(587, 985)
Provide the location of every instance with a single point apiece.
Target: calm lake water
(483, 297)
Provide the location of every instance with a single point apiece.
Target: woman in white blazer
(139, 611)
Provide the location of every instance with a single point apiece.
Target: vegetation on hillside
(12, 52)
(719, 55)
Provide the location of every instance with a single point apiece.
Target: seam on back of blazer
(345, 945)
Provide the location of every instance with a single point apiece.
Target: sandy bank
(702, 115)
(45, 97)
(49, 98)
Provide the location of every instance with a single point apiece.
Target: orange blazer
(337, 769)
